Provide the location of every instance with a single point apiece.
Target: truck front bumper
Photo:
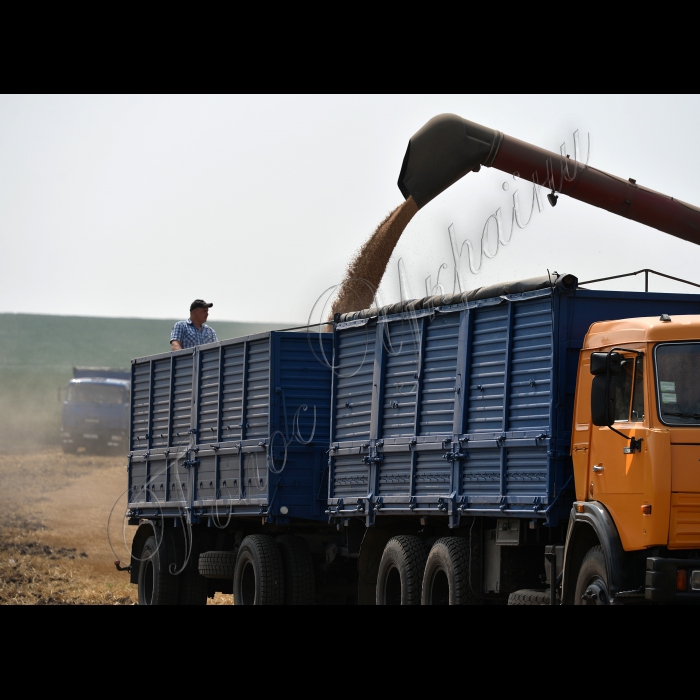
(672, 580)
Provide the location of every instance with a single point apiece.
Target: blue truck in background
(95, 411)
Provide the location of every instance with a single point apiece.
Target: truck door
(616, 479)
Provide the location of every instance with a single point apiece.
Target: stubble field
(54, 544)
(54, 507)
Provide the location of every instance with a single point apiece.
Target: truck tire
(592, 582)
(217, 564)
(193, 590)
(529, 596)
(258, 578)
(446, 575)
(400, 577)
(298, 570)
(156, 585)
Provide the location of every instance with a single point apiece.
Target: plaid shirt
(187, 334)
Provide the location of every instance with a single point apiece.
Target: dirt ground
(54, 543)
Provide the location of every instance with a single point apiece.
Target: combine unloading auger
(448, 147)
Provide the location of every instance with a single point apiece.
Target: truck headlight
(695, 580)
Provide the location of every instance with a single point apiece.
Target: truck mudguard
(589, 528)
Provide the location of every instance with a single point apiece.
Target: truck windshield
(678, 383)
(95, 393)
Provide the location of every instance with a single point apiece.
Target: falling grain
(367, 268)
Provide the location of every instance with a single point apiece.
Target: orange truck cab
(635, 446)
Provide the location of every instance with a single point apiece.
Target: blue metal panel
(229, 477)
(481, 474)
(140, 393)
(400, 378)
(206, 482)
(526, 471)
(182, 392)
(353, 378)
(208, 396)
(433, 473)
(160, 403)
(439, 375)
(179, 480)
(257, 405)
(138, 482)
(395, 474)
(531, 366)
(305, 383)
(350, 476)
(488, 369)
(231, 404)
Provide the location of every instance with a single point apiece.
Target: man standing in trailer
(193, 331)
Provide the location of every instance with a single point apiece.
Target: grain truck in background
(533, 442)
(95, 410)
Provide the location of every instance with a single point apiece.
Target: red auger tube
(448, 147)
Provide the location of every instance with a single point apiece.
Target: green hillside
(38, 353)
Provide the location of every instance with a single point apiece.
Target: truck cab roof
(642, 330)
(101, 380)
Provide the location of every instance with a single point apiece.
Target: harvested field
(54, 548)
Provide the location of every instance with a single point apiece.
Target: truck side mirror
(604, 366)
(604, 363)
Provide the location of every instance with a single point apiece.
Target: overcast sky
(135, 205)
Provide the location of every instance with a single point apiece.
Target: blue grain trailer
(456, 412)
(289, 467)
(229, 441)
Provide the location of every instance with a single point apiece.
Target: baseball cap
(200, 304)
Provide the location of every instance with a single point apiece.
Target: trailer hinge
(192, 431)
(557, 454)
(190, 463)
(372, 459)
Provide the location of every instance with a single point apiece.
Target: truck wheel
(446, 576)
(529, 596)
(193, 590)
(217, 564)
(258, 578)
(592, 582)
(156, 585)
(400, 576)
(298, 570)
